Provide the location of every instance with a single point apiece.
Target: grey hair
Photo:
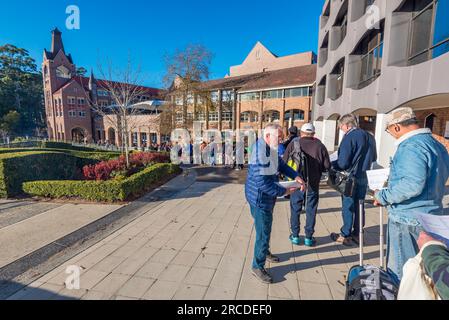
(350, 120)
(272, 127)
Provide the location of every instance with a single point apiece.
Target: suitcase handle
(381, 236)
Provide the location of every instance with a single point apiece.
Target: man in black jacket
(309, 156)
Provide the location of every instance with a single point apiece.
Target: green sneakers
(295, 240)
(310, 242)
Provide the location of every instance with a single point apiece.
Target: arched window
(63, 72)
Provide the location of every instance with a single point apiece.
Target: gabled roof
(104, 84)
(297, 76)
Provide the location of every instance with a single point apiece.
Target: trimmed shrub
(105, 191)
(138, 161)
(63, 145)
(15, 168)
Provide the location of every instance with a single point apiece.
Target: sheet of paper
(377, 178)
(437, 226)
(334, 156)
(289, 184)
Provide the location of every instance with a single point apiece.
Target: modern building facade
(264, 89)
(69, 99)
(379, 55)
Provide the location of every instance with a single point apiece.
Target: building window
(179, 101)
(81, 101)
(297, 92)
(179, 117)
(271, 116)
(250, 96)
(325, 15)
(214, 96)
(273, 94)
(371, 51)
(190, 99)
(294, 115)
(337, 80)
(213, 116)
(429, 30)
(249, 117)
(82, 114)
(324, 50)
(200, 116)
(227, 95)
(72, 113)
(63, 72)
(226, 116)
(103, 93)
(341, 26)
(321, 91)
(71, 100)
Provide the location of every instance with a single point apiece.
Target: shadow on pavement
(17, 291)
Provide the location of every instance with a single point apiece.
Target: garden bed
(115, 190)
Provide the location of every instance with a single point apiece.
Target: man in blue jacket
(419, 172)
(356, 154)
(261, 192)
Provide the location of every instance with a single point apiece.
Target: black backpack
(299, 158)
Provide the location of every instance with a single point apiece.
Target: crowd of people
(416, 185)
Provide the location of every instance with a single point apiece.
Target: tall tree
(185, 70)
(81, 71)
(124, 87)
(21, 88)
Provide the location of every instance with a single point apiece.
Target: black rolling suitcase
(368, 282)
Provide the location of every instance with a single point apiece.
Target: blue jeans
(263, 221)
(350, 209)
(401, 245)
(296, 205)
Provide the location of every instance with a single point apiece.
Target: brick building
(68, 100)
(265, 88)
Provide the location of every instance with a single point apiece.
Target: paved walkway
(198, 245)
(26, 226)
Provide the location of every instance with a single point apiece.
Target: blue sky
(147, 29)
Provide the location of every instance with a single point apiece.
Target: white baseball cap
(308, 128)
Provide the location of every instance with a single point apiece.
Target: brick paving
(199, 245)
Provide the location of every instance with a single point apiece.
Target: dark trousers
(263, 221)
(351, 211)
(296, 205)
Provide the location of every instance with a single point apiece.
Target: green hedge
(105, 191)
(100, 156)
(63, 145)
(16, 168)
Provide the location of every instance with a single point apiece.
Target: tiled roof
(296, 76)
(84, 82)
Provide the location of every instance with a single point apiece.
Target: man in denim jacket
(419, 172)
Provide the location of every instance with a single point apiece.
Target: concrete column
(220, 110)
(385, 142)
(319, 129)
(329, 130)
(139, 139)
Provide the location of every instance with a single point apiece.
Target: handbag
(344, 182)
(415, 284)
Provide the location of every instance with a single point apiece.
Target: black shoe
(339, 239)
(262, 275)
(272, 258)
(355, 239)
